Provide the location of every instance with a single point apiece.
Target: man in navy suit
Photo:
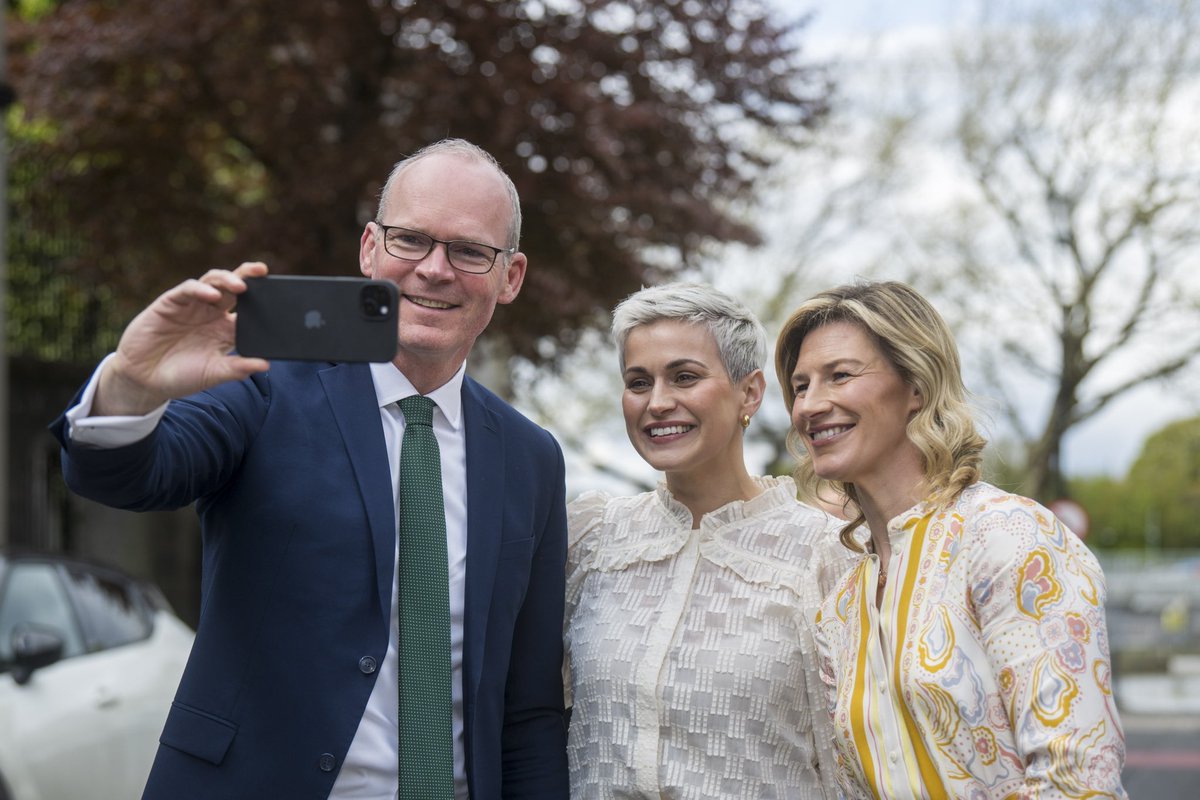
(291, 689)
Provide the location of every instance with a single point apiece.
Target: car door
(135, 672)
(56, 744)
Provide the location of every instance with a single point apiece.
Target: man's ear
(366, 250)
(513, 276)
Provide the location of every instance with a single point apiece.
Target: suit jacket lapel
(351, 395)
(485, 509)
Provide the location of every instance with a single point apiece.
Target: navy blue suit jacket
(290, 477)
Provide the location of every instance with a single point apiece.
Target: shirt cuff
(107, 432)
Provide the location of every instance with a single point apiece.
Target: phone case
(317, 318)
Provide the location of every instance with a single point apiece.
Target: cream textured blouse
(691, 665)
(985, 675)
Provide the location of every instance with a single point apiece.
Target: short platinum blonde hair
(916, 341)
(740, 337)
(464, 149)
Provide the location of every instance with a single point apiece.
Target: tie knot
(417, 410)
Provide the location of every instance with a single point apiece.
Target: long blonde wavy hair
(916, 341)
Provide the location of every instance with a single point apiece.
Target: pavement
(1161, 717)
(1162, 756)
(1172, 694)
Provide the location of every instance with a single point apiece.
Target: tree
(1077, 128)
(1039, 184)
(1116, 513)
(1165, 479)
(1158, 502)
(188, 135)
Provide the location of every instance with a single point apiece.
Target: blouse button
(893, 756)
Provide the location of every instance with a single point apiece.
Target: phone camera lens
(375, 301)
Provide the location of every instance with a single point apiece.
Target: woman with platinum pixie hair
(688, 626)
(966, 653)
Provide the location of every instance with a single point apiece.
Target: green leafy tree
(189, 134)
(1165, 484)
(1116, 517)
(50, 316)
(1157, 505)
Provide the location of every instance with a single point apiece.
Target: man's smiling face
(443, 310)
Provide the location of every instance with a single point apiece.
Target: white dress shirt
(372, 763)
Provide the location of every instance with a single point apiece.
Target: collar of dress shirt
(391, 385)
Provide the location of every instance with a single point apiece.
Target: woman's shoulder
(594, 506)
(610, 532)
(588, 511)
(588, 504)
(779, 501)
(832, 560)
(775, 520)
(984, 504)
(777, 540)
(1011, 526)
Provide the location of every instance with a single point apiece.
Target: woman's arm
(1039, 595)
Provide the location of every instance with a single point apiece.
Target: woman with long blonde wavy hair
(966, 653)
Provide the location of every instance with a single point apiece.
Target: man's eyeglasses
(410, 245)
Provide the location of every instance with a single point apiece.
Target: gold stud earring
(745, 421)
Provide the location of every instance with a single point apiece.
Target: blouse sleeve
(1039, 596)
(829, 635)
(819, 699)
(584, 515)
(833, 560)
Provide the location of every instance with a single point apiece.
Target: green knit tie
(426, 706)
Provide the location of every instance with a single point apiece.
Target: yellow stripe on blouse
(862, 694)
(925, 768)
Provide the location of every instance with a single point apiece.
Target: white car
(89, 662)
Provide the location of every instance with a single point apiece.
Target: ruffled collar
(655, 527)
(776, 492)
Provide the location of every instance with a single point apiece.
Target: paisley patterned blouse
(691, 660)
(986, 672)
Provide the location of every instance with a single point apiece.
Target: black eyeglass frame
(496, 251)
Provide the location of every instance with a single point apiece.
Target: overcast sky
(860, 17)
(1109, 443)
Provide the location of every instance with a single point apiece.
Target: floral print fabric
(985, 673)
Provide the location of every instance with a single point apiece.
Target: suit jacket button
(327, 762)
(367, 665)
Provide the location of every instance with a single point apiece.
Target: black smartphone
(318, 318)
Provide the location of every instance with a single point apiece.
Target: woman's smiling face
(682, 411)
(852, 408)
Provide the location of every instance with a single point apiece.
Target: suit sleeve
(534, 741)
(191, 453)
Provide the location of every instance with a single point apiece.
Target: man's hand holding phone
(223, 326)
(178, 345)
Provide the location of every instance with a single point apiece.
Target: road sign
(1072, 515)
